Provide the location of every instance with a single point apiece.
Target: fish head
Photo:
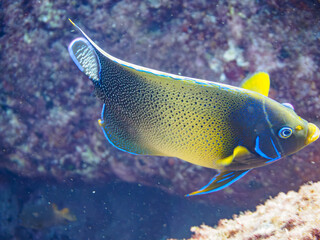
(284, 132)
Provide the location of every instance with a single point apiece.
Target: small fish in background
(44, 215)
(214, 125)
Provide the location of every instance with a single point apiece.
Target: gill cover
(267, 149)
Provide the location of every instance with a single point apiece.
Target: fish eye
(288, 105)
(285, 132)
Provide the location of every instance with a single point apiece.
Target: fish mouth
(313, 133)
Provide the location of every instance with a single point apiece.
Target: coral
(295, 215)
(49, 113)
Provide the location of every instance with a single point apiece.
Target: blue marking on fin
(211, 181)
(105, 134)
(226, 175)
(102, 112)
(223, 179)
(228, 183)
(258, 150)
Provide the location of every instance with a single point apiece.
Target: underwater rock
(295, 215)
(49, 115)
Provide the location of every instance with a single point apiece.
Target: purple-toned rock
(49, 114)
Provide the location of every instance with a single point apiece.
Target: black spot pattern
(158, 115)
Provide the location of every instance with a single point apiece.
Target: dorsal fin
(258, 82)
(84, 56)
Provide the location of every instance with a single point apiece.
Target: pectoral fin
(259, 82)
(239, 153)
(220, 181)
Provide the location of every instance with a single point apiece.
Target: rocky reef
(49, 112)
(295, 215)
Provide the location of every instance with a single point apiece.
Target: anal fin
(220, 181)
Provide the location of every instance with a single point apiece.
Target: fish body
(214, 125)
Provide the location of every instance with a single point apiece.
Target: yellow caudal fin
(259, 82)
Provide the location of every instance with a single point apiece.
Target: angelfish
(214, 125)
